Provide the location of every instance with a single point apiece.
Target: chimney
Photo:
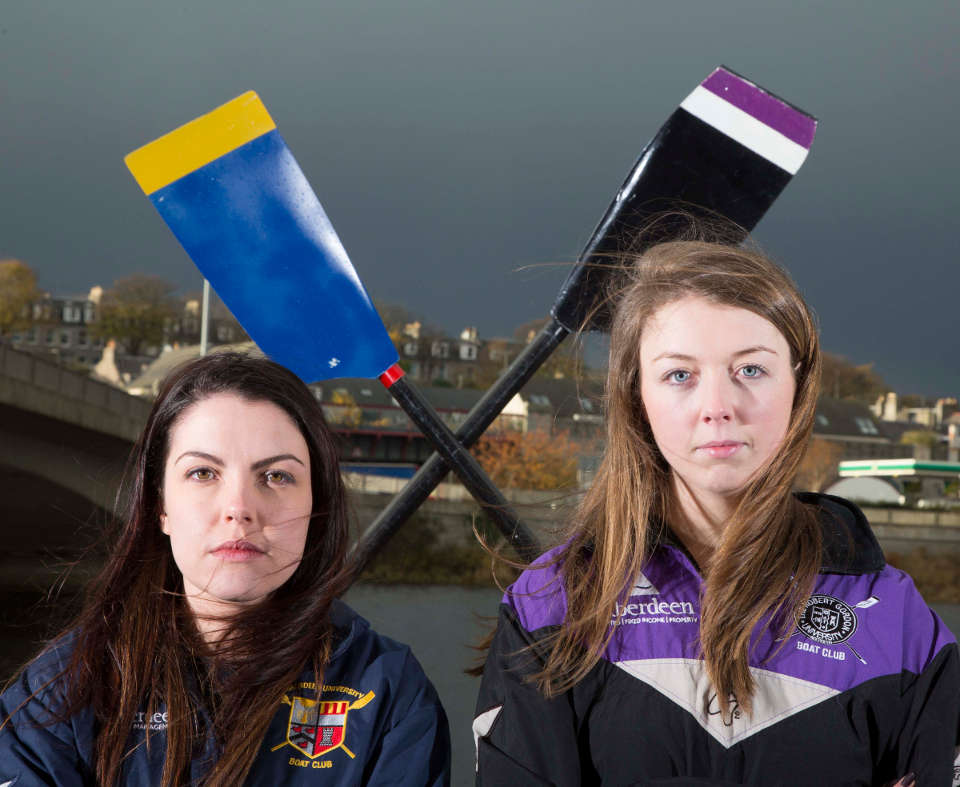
(890, 407)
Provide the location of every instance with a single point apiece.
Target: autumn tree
(135, 311)
(18, 291)
(529, 460)
(819, 464)
(344, 410)
(845, 380)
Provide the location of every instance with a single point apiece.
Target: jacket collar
(849, 546)
(347, 626)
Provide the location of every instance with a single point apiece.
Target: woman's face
(717, 385)
(236, 501)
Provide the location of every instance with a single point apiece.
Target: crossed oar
(231, 191)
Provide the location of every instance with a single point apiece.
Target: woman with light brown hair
(703, 623)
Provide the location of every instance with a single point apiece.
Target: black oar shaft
(432, 472)
(468, 470)
(691, 163)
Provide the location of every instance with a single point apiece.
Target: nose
(236, 507)
(718, 400)
(237, 513)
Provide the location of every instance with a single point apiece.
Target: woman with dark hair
(212, 649)
(702, 624)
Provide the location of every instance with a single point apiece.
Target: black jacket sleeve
(931, 731)
(522, 737)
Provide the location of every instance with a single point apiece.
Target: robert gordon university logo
(830, 621)
(317, 727)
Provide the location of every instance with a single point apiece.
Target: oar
(238, 202)
(729, 149)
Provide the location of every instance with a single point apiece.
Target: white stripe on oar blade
(745, 129)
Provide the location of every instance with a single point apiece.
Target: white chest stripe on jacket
(481, 729)
(686, 683)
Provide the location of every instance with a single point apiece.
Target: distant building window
(81, 359)
(224, 333)
(540, 399)
(32, 336)
(468, 352)
(88, 312)
(586, 404)
(72, 313)
(51, 337)
(65, 338)
(82, 338)
(823, 420)
(410, 348)
(440, 350)
(16, 338)
(866, 426)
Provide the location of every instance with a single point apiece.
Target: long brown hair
(135, 642)
(769, 554)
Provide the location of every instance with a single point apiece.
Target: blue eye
(678, 376)
(752, 370)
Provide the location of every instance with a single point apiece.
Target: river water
(440, 623)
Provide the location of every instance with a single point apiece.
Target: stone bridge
(64, 439)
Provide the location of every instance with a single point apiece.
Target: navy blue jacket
(379, 721)
(864, 691)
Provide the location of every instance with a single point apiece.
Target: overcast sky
(452, 143)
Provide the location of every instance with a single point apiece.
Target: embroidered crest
(318, 726)
(830, 621)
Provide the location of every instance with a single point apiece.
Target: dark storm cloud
(453, 143)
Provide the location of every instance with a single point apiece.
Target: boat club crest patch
(830, 621)
(318, 726)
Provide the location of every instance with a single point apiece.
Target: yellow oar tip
(197, 143)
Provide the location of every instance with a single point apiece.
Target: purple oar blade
(728, 151)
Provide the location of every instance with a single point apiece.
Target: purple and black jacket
(866, 689)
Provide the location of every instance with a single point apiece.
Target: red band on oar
(390, 376)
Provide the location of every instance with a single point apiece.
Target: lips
(721, 449)
(237, 551)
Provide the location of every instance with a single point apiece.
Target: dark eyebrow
(271, 459)
(201, 455)
(737, 354)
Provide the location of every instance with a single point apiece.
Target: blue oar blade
(252, 224)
